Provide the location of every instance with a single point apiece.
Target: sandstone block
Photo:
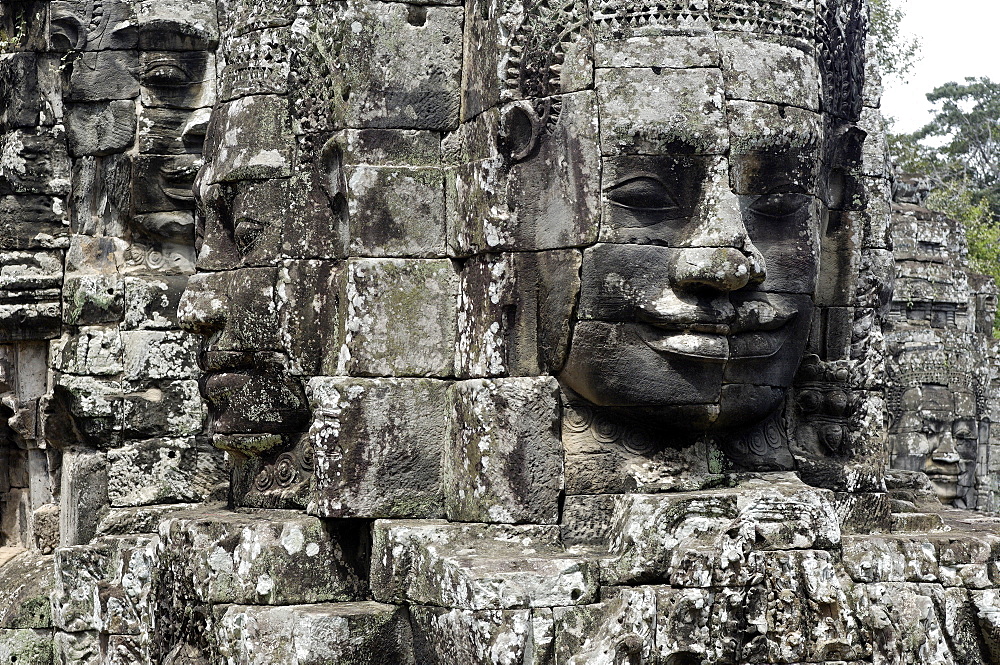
(903, 622)
(162, 408)
(408, 64)
(620, 628)
(514, 312)
(493, 72)
(672, 51)
(698, 623)
(101, 75)
(751, 72)
(160, 355)
(84, 490)
(163, 471)
(476, 566)
(27, 646)
(33, 221)
(395, 211)
(92, 299)
(35, 162)
(78, 648)
(94, 405)
(503, 461)
(25, 584)
(19, 74)
(101, 128)
(307, 301)
(93, 350)
(398, 317)
(151, 302)
(260, 148)
(105, 586)
(378, 446)
(697, 121)
(490, 637)
(547, 199)
(654, 535)
(314, 634)
(262, 558)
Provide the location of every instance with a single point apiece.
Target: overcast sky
(960, 38)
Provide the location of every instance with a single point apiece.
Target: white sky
(959, 37)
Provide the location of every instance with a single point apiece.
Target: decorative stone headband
(903, 378)
(837, 28)
(762, 17)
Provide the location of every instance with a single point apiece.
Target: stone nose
(194, 130)
(718, 268)
(946, 453)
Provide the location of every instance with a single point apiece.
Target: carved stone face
(177, 89)
(247, 380)
(696, 303)
(937, 432)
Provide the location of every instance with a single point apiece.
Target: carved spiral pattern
(155, 259)
(264, 480)
(607, 431)
(635, 442)
(577, 417)
(306, 459)
(285, 472)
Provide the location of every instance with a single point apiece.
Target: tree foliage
(894, 53)
(959, 149)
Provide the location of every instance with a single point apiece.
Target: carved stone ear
(520, 128)
(331, 164)
(846, 143)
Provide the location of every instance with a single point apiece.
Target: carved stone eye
(162, 73)
(963, 431)
(781, 204)
(642, 193)
(246, 234)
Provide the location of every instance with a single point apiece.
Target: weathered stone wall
(942, 356)
(531, 333)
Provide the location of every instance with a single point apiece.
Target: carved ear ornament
(520, 128)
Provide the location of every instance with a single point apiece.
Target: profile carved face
(937, 431)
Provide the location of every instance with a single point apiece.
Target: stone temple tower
(441, 331)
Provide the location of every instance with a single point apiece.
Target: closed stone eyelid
(665, 193)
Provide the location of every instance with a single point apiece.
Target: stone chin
(683, 381)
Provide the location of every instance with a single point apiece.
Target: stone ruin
(499, 333)
(942, 371)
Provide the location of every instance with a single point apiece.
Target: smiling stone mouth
(742, 339)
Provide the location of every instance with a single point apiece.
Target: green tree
(959, 149)
(894, 53)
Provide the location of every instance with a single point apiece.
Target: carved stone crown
(768, 17)
(904, 377)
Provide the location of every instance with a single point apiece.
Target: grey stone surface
(314, 634)
(379, 446)
(284, 284)
(398, 318)
(503, 462)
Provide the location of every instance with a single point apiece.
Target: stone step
(477, 566)
(323, 633)
(26, 580)
(268, 557)
(917, 522)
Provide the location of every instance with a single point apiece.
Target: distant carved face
(177, 88)
(696, 302)
(937, 432)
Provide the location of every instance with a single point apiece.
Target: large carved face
(937, 431)
(696, 302)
